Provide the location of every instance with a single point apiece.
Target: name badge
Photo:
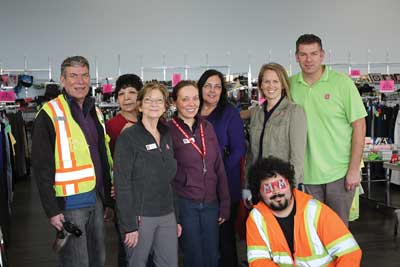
(151, 146)
(186, 141)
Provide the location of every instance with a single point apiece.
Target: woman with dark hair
(126, 90)
(228, 126)
(200, 182)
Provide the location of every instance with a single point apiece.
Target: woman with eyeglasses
(200, 182)
(228, 126)
(144, 168)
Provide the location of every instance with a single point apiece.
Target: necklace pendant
(204, 166)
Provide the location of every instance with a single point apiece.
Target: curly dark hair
(128, 80)
(267, 168)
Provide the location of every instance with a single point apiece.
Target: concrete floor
(32, 236)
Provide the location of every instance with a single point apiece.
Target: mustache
(277, 195)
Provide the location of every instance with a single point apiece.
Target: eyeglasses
(210, 85)
(158, 101)
(279, 184)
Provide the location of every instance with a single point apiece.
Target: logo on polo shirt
(327, 96)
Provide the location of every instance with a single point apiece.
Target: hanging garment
(18, 129)
(396, 174)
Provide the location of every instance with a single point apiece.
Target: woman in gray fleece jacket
(144, 167)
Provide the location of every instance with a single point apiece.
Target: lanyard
(203, 142)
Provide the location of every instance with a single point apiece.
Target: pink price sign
(355, 73)
(107, 88)
(176, 78)
(386, 86)
(7, 96)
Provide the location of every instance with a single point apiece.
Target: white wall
(39, 29)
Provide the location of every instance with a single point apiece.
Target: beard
(279, 206)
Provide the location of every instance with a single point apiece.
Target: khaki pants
(334, 195)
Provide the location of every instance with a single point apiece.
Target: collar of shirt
(161, 126)
(324, 77)
(185, 126)
(88, 103)
(275, 107)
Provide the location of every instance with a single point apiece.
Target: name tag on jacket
(151, 146)
(186, 141)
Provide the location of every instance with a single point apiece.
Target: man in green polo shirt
(335, 125)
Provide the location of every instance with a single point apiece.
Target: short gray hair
(74, 62)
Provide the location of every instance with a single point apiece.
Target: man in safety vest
(71, 164)
(289, 228)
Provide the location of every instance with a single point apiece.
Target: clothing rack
(373, 102)
(185, 68)
(7, 106)
(369, 100)
(27, 70)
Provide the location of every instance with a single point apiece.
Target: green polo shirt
(331, 105)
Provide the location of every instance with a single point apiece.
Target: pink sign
(386, 86)
(261, 100)
(176, 78)
(355, 73)
(107, 88)
(7, 96)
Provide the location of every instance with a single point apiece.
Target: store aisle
(32, 236)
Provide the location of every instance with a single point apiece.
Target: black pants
(227, 240)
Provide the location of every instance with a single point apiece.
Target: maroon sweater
(114, 127)
(190, 181)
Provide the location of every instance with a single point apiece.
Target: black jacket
(43, 163)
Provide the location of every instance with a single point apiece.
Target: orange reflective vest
(320, 237)
(75, 172)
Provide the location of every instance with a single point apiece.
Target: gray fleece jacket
(143, 172)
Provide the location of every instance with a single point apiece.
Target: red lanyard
(203, 142)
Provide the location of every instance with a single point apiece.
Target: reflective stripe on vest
(70, 178)
(264, 252)
(320, 256)
(63, 134)
(342, 246)
(107, 140)
(257, 252)
(101, 119)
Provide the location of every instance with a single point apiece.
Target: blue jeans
(88, 250)
(200, 231)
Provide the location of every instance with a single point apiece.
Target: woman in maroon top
(127, 88)
(200, 183)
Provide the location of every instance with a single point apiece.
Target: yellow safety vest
(75, 172)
